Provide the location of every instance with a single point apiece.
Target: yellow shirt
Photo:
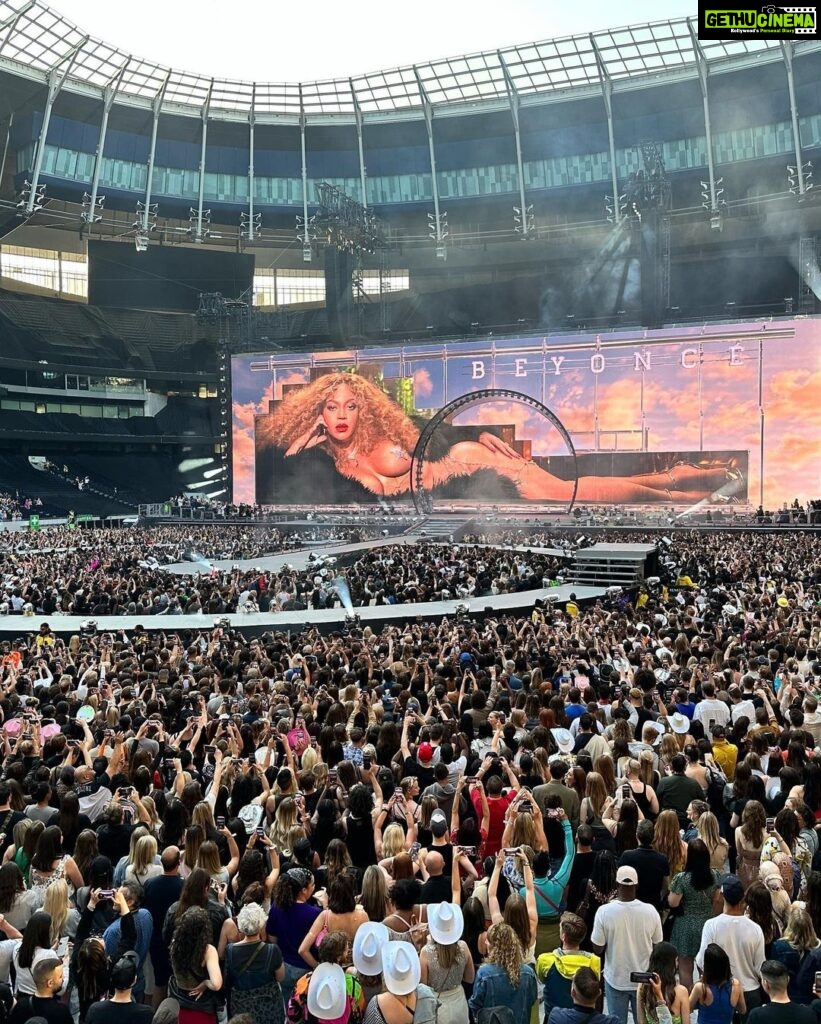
(726, 755)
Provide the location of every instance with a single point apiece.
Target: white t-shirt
(743, 942)
(744, 707)
(711, 712)
(629, 931)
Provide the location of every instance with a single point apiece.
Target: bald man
(436, 888)
(159, 893)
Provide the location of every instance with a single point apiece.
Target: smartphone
(106, 894)
(210, 748)
(468, 851)
(641, 977)
(413, 852)
(260, 830)
(553, 812)
(625, 792)
(510, 851)
(771, 824)
(817, 980)
(220, 822)
(366, 762)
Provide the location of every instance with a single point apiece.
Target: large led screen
(723, 414)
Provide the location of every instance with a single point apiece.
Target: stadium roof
(35, 40)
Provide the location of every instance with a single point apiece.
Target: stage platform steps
(440, 528)
(614, 565)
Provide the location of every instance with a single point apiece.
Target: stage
(327, 619)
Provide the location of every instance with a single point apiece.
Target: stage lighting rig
(193, 220)
(247, 221)
(89, 215)
(346, 223)
(440, 235)
(795, 182)
(25, 196)
(525, 224)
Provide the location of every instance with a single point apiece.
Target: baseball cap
(627, 876)
(732, 889)
(425, 752)
(438, 823)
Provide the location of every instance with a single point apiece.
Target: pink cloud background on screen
(729, 399)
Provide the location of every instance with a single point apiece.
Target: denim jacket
(492, 988)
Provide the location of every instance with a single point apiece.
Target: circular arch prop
(422, 496)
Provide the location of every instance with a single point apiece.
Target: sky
(280, 42)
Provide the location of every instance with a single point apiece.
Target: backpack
(602, 839)
(716, 783)
(495, 1015)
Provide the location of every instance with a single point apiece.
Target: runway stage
(327, 619)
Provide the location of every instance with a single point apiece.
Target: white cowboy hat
(401, 970)
(367, 948)
(327, 992)
(564, 740)
(445, 923)
(679, 723)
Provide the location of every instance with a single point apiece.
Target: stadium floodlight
(25, 196)
(88, 215)
(523, 225)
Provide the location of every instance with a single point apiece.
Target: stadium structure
(154, 221)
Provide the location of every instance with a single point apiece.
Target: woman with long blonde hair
(64, 918)
(142, 865)
(374, 897)
(667, 840)
(155, 823)
(393, 841)
(286, 816)
(194, 838)
(668, 748)
(337, 861)
(707, 828)
(446, 962)
(504, 978)
(749, 838)
(604, 766)
(595, 800)
(798, 940)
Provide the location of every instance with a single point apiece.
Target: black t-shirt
(8, 819)
(652, 868)
(119, 1013)
(424, 773)
(158, 895)
(113, 841)
(436, 890)
(579, 873)
(51, 1010)
(781, 1013)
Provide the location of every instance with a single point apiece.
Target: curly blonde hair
(505, 950)
(379, 416)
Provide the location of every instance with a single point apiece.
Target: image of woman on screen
(371, 441)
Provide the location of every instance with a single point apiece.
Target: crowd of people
(584, 813)
(14, 505)
(121, 572)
